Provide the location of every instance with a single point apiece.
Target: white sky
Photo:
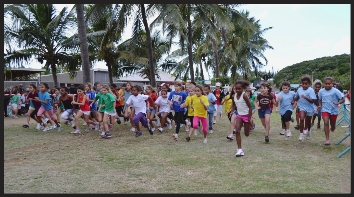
(300, 32)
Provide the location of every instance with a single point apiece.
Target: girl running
(252, 98)
(211, 109)
(244, 110)
(82, 101)
(66, 101)
(34, 106)
(231, 114)
(329, 99)
(200, 105)
(164, 108)
(262, 103)
(305, 96)
(109, 103)
(44, 99)
(129, 114)
(91, 95)
(175, 100)
(151, 110)
(139, 102)
(190, 111)
(318, 86)
(100, 109)
(285, 97)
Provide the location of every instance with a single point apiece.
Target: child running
(139, 102)
(100, 110)
(200, 105)
(175, 100)
(262, 103)
(151, 110)
(164, 108)
(129, 114)
(304, 97)
(318, 86)
(109, 103)
(211, 108)
(329, 99)
(66, 101)
(34, 106)
(286, 108)
(244, 110)
(231, 114)
(190, 112)
(251, 97)
(83, 102)
(44, 99)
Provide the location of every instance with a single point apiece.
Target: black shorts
(287, 116)
(190, 119)
(119, 110)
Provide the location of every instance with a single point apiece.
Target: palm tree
(42, 34)
(83, 43)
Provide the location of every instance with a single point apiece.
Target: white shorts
(85, 112)
(14, 106)
(111, 113)
(218, 109)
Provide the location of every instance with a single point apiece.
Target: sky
(300, 32)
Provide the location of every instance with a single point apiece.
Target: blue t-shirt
(303, 103)
(212, 99)
(328, 97)
(44, 97)
(91, 96)
(126, 97)
(285, 102)
(177, 99)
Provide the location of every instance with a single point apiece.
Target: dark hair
(138, 88)
(194, 83)
(266, 84)
(328, 78)
(164, 91)
(114, 85)
(243, 83)
(66, 89)
(207, 86)
(15, 91)
(178, 84)
(81, 87)
(168, 88)
(33, 86)
(201, 88)
(285, 83)
(249, 90)
(306, 78)
(318, 83)
(45, 85)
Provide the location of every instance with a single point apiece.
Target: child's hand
(303, 96)
(336, 103)
(201, 101)
(279, 98)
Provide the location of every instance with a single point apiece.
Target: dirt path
(9, 121)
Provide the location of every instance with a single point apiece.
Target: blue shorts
(307, 113)
(263, 112)
(93, 109)
(151, 111)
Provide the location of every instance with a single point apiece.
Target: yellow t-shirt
(228, 103)
(198, 106)
(121, 93)
(190, 106)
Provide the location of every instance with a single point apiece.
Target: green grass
(59, 162)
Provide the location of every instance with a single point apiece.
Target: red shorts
(332, 117)
(244, 118)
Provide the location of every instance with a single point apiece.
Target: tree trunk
(83, 43)
(201, 71)
(148, 40)
(110, 74)
(215, 48)
(190, 53)
(54, 73)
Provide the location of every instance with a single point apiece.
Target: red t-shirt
(270, 102)
(217, 95)
(154, 98)
(84, 107)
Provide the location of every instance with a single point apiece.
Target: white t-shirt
(138, 102)
(164, 106)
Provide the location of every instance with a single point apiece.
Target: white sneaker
(305, 132)
(301, 138)
(205, 140)
(214, 122)
(288, 133)
(168, 121)
(103, 133)
(308, 135)
(153, 129)
(175, 136)
(76, 131)
(46, 129)
(211, 131)
(158, 123)
(195, 132)
(45, 120)
(53, 127)
(169, 126)
(132, 129)
(282, 132)
(73, 123)
(239, 153)
(230, 137)
(160, 130)
(38, 126)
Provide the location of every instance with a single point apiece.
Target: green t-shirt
(107, 100)
(14, 99)
(253, 97)
(99, 97)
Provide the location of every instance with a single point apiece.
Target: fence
(25, 84)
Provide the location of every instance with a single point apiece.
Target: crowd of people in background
(193, 106)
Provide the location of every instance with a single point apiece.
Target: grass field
(60, 162)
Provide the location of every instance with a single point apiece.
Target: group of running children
(193, 107)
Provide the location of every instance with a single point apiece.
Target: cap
(162, 84)
(218, 84)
